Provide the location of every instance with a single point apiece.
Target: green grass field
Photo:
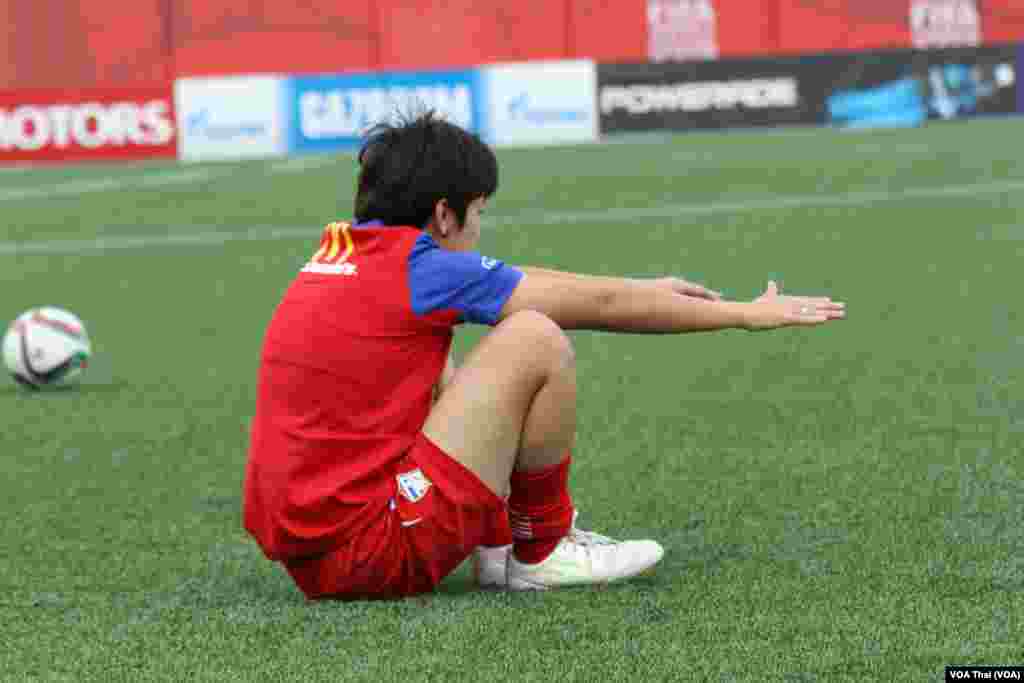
(840, 504)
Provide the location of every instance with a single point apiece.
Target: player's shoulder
(428, 257)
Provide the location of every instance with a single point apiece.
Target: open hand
(772, 310)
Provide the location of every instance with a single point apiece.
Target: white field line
(77, 187)
(302, 164)
(142, 241)
(72, 188)
(860, 198)
(214, 237)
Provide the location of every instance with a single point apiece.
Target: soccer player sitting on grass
(375, 468)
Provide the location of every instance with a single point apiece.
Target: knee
(540, 336)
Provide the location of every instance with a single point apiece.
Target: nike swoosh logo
(412, 522)
(27, 357)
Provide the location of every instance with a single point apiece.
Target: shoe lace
(589, 538)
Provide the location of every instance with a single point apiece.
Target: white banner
(233, 117)
(540, 103)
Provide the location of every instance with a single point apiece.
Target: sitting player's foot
(489, 566)
(584, 557)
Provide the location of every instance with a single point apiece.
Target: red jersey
(346, 378)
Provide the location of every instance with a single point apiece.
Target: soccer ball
(46, 347)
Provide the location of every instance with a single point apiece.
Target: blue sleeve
(474, 285)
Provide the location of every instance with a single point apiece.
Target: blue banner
(908, 88)
(332, 112)
(899, 103)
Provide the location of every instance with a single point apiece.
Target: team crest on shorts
(413, 485)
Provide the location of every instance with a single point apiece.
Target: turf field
(842, 504)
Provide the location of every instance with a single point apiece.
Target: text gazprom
(349, 112)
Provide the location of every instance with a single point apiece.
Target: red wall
(1003, 20)
(44, 55)
(819, 25)
(62, 43)
(79, 43)
(428, 34)
(607, 30)
(747, 27)
(253, 36)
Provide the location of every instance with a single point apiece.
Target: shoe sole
(524, 585)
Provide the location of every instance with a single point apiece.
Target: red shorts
(439, 513)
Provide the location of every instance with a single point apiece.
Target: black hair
(409, 166)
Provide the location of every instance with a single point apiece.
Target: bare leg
(512, 404)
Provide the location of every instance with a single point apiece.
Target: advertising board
(92, 124)
(851, 89)
(333, 112)
(540, 103)
(705, 95)
(231, 117)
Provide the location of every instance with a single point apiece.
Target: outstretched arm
(672, 284)
(577, 301)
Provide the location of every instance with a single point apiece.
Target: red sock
(540, 511)
(501, 532)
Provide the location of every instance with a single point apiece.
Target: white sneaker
(584, 557)
(489, 566)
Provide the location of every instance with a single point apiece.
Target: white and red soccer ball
(46, 347)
